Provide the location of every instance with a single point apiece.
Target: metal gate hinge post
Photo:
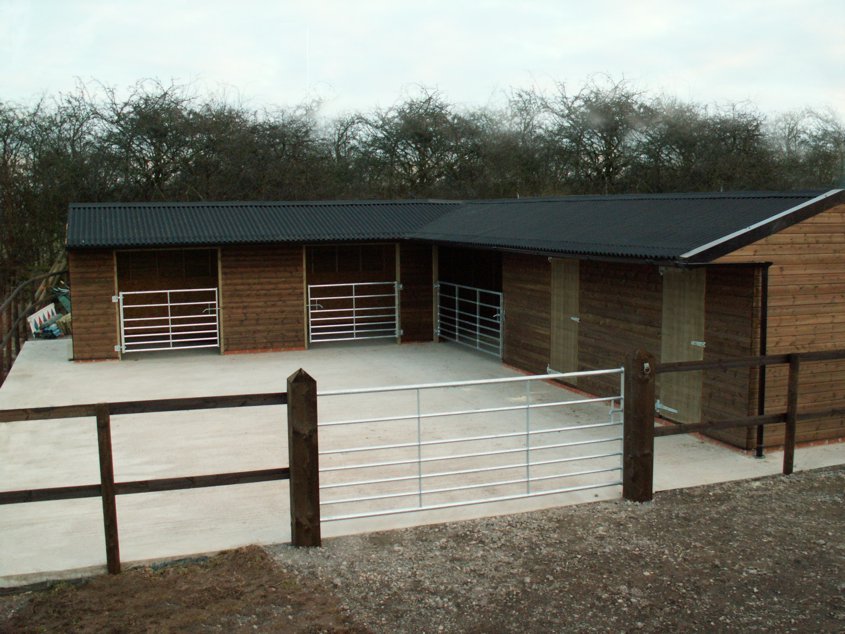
(115, 299)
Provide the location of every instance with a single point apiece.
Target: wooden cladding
(806, 311)
(526, 284)
(620, 312)
(565, 316)
(92, 278)
(682, 339)
(417, 296)
(166, 269)
(262, 297)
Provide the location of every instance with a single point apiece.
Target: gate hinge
(115, 299)
(118, 348)
(400, 286)
(575, 318)
(698, 344)
(658, 406)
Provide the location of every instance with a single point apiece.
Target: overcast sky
(363, 54)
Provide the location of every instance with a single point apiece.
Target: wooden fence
(301, 402)
(639, 431)
(26, 298)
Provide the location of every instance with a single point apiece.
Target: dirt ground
(756, 555)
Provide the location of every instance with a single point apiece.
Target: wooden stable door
(682, 340)
(565, 316)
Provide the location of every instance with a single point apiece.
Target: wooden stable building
(571, 283)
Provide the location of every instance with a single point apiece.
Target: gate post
(303, 460)
(638, 434)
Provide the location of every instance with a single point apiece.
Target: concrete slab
(51, 539)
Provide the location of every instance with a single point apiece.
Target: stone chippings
(755, 555)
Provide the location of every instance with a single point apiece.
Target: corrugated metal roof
(632, 226)
(186, 224)
(692, 227)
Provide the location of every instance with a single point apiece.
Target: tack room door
(682, 340)
(565, 316)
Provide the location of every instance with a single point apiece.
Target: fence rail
(300, 399)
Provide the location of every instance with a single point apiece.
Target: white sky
(363, 54)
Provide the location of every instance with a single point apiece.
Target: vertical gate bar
(528, 436)
(169, 320)
(354, 311)
(216, 319)
(419, 450)
(310, 315)
(396, 309)
(791, 414)
(477, 319)
(122, 323)
(107, 488)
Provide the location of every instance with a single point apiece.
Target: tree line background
(163, 142)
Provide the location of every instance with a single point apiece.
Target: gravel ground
(757, 555)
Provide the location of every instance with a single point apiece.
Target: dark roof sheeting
(127, 225)
(641, 227)
(679, 227)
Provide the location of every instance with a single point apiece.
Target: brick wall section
(94, 315)
(262, 297)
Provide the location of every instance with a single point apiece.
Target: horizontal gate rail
(348, 312)
(470, 316)
(168, 319)
(532, 449)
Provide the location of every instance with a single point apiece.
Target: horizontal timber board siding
(806, 291)
(621, 310)
(731, 329)
(526, 289)
(262, 296)
(92, 280)
(415, 274)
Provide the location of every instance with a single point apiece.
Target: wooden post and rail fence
(301, 402)
(303, 462)
(639, 430)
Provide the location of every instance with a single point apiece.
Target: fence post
(303, 460)
(638, 434)
(107, 488)
(791, 414)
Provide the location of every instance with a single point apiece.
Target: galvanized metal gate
(347, 312)
(470, 316)
(168, 319)
(442, 445)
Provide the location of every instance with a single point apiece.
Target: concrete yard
(52, 539)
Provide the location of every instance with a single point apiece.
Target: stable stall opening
(167, 299)
(469, 299)
(353, 292)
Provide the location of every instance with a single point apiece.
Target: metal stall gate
(168, 319)
(347, 312)
(470, 316)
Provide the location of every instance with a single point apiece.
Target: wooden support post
(107, 488)
(638, 434)
(791, 414)
(303, 460)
